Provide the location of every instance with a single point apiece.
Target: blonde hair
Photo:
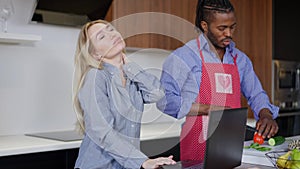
(84, 61)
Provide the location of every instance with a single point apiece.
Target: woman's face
(107, 42)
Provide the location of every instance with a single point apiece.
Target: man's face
(220, 29)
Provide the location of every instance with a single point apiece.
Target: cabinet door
(169, 25)
(62, 159)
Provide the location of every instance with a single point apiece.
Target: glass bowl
(274, 156)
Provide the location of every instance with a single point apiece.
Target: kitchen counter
(22, 144)
(257, 157)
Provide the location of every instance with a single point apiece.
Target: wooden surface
(171, 31)
(254, 37)
(253, 34)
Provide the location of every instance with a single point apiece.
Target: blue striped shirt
(181, 78)
(112, 115)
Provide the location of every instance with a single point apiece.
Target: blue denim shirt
(112, 115)
(181, 78)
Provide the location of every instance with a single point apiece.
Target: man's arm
(203, 109)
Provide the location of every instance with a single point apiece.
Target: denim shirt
(181, 78)
(112, 115)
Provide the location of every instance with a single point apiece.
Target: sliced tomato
(258, 139)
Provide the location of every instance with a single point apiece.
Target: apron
(220, 86)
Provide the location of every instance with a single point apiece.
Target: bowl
(282, 162)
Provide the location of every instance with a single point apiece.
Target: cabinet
(285, 31)
(61, 159)
(254, 37)
(168, 25)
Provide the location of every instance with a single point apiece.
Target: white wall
(36, 79)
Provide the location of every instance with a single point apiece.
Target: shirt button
(131, 141)
(132, 125)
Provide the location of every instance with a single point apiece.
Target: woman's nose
(111, 35)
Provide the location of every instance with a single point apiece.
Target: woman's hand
(266, 125)
(155, 163)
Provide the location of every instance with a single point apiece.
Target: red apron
(220, 86)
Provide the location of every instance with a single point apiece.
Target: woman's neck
(116, 60)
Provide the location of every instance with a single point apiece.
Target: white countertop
(22, 144)
(258, 157)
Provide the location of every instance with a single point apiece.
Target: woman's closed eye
(109, 27)
(100, 36)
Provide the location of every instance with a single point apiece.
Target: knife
(251, 128)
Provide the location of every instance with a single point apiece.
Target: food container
(285, 162)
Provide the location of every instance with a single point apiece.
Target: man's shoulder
(187, 49)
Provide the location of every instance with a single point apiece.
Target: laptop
(224, 146)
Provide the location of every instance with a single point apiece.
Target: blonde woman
(109, 96)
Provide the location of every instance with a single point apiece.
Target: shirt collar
(205, 46)
(110, 68)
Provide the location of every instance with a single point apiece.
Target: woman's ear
(204, 26)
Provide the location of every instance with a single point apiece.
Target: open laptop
(224, 146)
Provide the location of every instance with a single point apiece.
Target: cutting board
(282, 147)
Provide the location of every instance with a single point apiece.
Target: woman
(109, 94)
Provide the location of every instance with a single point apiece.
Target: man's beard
(214, 40)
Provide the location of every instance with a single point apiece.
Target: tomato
(258, 139)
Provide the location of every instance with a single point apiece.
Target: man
(210, 73)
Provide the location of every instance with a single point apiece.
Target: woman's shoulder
(95, 75)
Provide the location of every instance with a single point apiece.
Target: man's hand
(266, 125)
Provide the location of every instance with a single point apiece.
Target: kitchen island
(26, 149)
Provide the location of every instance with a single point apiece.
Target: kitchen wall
(36, 78)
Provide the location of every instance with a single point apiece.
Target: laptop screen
(226, 135)
(225, 141)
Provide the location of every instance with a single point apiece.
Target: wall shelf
(18, 38)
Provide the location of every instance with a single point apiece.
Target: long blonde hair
(84, 61)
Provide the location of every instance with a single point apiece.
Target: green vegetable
(295, 155)
(256, 146)
(277, 140)
(263, 148)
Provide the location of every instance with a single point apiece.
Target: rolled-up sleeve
(253, 91)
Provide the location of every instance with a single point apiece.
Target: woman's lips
(117, 40)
